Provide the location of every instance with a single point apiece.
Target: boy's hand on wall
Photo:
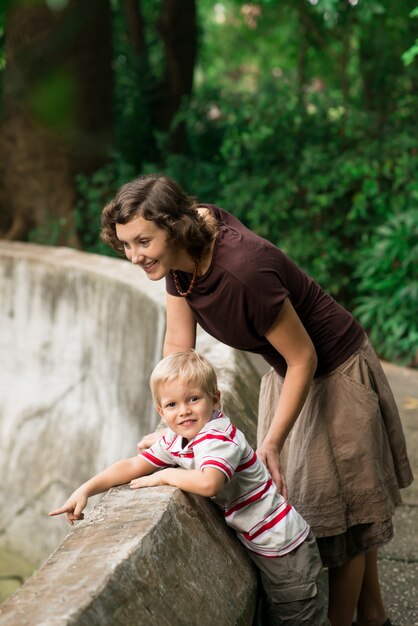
(207, 482)
(74, 506)
(153, 480)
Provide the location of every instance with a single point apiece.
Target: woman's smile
(149, 266)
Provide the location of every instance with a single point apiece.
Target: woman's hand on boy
(74, 507)
(269, 455)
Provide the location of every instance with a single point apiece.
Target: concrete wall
(78, 340)
(79, 335)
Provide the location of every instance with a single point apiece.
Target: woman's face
(146, 245)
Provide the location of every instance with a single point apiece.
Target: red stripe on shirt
(153, 459)
(269, 524)
(247, 493)
(214, 463)
(247, 464)
(184, 455)
(210, 436)
(254, 498)
(289, 547)
(172, 443)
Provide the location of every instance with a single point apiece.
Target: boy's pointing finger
(63, 509)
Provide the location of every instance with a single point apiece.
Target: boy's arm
(207, 482)
(117, 474)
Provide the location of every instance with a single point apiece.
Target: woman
(328, 420)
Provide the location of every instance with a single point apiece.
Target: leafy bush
(388, 288)
(312, 185)
(94, 192)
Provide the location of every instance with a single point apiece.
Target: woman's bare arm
(290, 338)
(180, 331)
(180, 335)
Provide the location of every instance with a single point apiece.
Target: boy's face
(185, 407)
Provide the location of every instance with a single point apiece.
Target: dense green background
(302, 121)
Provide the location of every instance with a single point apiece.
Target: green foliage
(53, 101)
(388, 287)
(136, 85)
(409, 55)
(94, 192)
(50, 232)
(242, 42)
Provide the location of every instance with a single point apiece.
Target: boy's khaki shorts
(290, 586)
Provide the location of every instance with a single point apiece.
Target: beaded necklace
(181, 293)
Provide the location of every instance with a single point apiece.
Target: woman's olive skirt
(345, 458)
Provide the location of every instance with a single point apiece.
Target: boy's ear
(160, 411)
(217, 399)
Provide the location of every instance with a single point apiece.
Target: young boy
(203, 453)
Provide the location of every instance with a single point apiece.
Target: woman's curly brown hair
(159, 199)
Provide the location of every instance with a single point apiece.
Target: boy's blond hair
(188, 366)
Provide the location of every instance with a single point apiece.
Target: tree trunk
(136, 29)
(380, 65)
(137, 138)
(178, 29)
(57, 114)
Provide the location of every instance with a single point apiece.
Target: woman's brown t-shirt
(240, 296)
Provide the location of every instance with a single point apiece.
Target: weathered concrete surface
(79, 335)
(398, 561)
(153, 556)
(404, 384)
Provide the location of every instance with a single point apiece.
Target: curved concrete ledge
(156, 556)
(79, 335)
